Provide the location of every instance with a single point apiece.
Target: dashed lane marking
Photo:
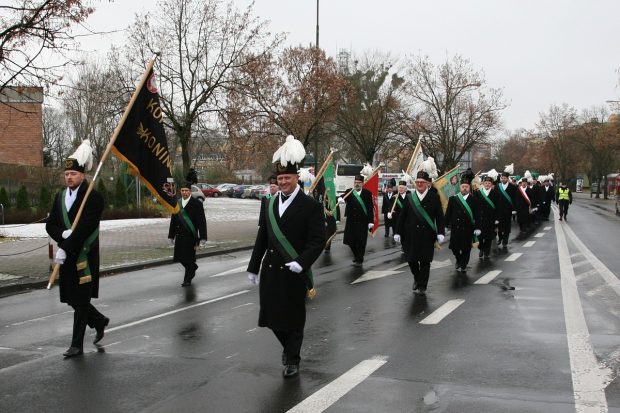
(231, 271)
(539, 235)
(332, 392)
(547, 228)
(514, 256)
(488, 277)
(529, 244)
(442, 312)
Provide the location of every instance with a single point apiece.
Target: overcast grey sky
(538, 51)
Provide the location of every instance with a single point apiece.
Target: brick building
(21, 126)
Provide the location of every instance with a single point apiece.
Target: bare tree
(454, 111)
(202, 43)
(56, 138)
(33, 35)
(558, 126)
(365, 119)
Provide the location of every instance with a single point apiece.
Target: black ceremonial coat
(536, 191)
(418, 238)
(71, 291)
(356, 227)
(488, 215)
(457, 219)
(184, 241)
(546, 198)
(522, 207)
(504, 211)
(283, 292)
(386, 206)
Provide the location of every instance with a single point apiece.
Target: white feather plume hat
(289, 157)
(82, 159)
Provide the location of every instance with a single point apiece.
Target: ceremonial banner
(142, 144)
(447, 185)
(330, 186)
(373, 186)
(416, 160)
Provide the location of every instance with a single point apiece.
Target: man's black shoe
(101, 330)
(560, 218)
(186, 284)
(291, 370)
(72, 352)
(421, 291)
(415, 286)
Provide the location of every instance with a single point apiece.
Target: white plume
(510, 169)
(493, 174)
(291, 151)
(305, 175)
(430, 167)
(367, 170)
(476, 181)
(550, 175)
(527, 175)
(84, 155)
(542, 178)
(407, 178)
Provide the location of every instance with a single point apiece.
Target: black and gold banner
(142, 144)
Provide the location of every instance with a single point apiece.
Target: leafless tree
(35, 38)
(56, 136)
(202, 43)
(558, 126)
(452, 109)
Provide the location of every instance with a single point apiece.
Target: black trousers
(190, 270)
(358, 252)
(388, 223)
(84, 314)
(545, 210)
(330, 228)
(502, 237)
(462, 257)
(291, 341)
(485, 246)
(421, 271)
(563, 208)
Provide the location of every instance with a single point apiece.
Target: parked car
(261, 193)
(255, 190)
(197, 193)
(210, 190)
(247, 193)
(239, 190)
(226, 189)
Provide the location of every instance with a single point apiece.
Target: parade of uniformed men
(506, 207)
(291, 236)
(462, 217)
(78, 248)
(488, 203)
(420, 224)
(359, 216)
(188, 231)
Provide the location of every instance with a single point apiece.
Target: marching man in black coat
(420, 224)
(462, 217)
(360, 218)
(547, 197)
(188, 230)
(506, 207)
(388, 200)
(488, 202)
(291, 236)
(524, 206)
(78, 250)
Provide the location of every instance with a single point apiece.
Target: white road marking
(237, 270)
(242, 305)
(178, 310)
(440, 264)
(6, 348)
(514, 256)
(589, 380)
(488, 277)
(373, 275)
(539, 235)
(331, 393)
(439, 314)
(529, 244)
(547, 228)
(399, 266)
(609, 277)
(41, 318)
(580, 263)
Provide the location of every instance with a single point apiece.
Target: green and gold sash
(359, 199)
(421, 212)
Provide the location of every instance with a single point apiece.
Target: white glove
(496, 222)
(294, 266)
(66, 233)
(254, 278)
(341, 200)
(514, 212)
(371, 226)
(477, 232)
(534, 209)
(396, 238)
(203, 242)
(389, 215)
(440, 238)
(61, 256)
(171, 241)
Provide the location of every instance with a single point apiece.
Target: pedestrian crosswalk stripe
(540, 234)
(514, 256)
(488, 277)
(529, 244)
(332, 392)
(442, 312)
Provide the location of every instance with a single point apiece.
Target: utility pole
(316, 135)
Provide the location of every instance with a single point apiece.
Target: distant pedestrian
(388, 201)
(524, 206)
(488, 202)
(506, 207)
(188, 230)
(360, 218)
(547, 197)
(78, 249)
(564, 198)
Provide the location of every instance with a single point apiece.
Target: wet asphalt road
(503, 348)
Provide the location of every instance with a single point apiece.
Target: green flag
(330, 186)
(447, 185)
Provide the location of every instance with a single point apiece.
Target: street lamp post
(316, 135)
